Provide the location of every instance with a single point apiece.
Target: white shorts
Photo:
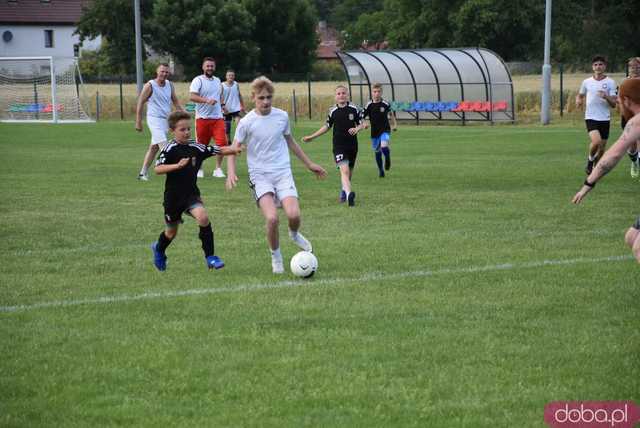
(159, 128)
(280, 184)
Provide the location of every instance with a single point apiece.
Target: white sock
(276, 254)
(143, 171)
(293, 234)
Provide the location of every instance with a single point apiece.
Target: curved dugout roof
(468, 84)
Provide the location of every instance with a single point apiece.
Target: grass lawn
(462, 290)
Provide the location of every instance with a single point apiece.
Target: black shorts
(229, 116)
(602, 126)
(342, 154)
(174, 207)
(636, 225)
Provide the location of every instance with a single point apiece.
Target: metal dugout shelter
(451, 84)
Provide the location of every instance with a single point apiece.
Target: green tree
(192, 29)
(285, 31)
(512, 28)
(114, 21)
(371, 27)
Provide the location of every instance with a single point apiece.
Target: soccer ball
(304, 264)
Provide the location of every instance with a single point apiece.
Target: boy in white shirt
(267, 136)
(600, 92)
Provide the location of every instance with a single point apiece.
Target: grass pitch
(463, 289)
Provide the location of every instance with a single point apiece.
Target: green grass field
(463, 290)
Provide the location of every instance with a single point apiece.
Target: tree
(512, 28)
(213, 28)
(114, 21)
(369, 26)
(285, 31)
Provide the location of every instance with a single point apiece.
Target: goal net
(41, 89)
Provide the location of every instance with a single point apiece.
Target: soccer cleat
(159, 259)
(589, 167)
(381, 174)
(352, 199)
(143, 177)
(200, 173)
(215, 262)
(277, 265)
(343, 196)
(218, 173)
(387, 163)
(635, 169)
(302, 242)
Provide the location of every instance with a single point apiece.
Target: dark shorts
(345, 154)
(175, 207)
(636, 225)
(602, 126)
(229, 116)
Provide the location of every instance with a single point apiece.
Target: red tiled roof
(41, 12)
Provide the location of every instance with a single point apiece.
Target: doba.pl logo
(592, 414)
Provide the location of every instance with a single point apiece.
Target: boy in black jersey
(378, 111)
(346, 120)
(180, 161)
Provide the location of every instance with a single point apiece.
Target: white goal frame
(52, 95)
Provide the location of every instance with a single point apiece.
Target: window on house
(48, 38)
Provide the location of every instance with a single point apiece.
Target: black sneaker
(351, 199)
(589, 167)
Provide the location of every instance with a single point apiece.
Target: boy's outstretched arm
(323, 129)
(300, 154)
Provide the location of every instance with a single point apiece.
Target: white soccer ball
(304, 264)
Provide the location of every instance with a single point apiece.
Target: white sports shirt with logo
(207, 88)
(597, 107)
(267, 149)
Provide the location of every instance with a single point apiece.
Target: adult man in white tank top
(232, 105)
(600, 92)
(206, 92)
(159, 93)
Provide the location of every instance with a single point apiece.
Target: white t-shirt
(159, 103)
(597, 107)
(207, 88)
(231, 97)
(267, 150)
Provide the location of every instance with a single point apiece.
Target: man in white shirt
(233, 103)
(206, 92)
(159, 93)
(600, 92)
(267, 136)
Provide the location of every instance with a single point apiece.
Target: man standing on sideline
(233, 103)
(206, 92)
(600, 92)
(159, 93)
(629, 102)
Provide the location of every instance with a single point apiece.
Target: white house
(41, 28)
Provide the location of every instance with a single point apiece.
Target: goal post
(42, 89)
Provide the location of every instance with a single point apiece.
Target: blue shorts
(376, 142)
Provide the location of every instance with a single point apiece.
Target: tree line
(279, 36)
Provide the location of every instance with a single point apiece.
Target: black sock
(163, 242)
(379, 160)
(206, 236)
